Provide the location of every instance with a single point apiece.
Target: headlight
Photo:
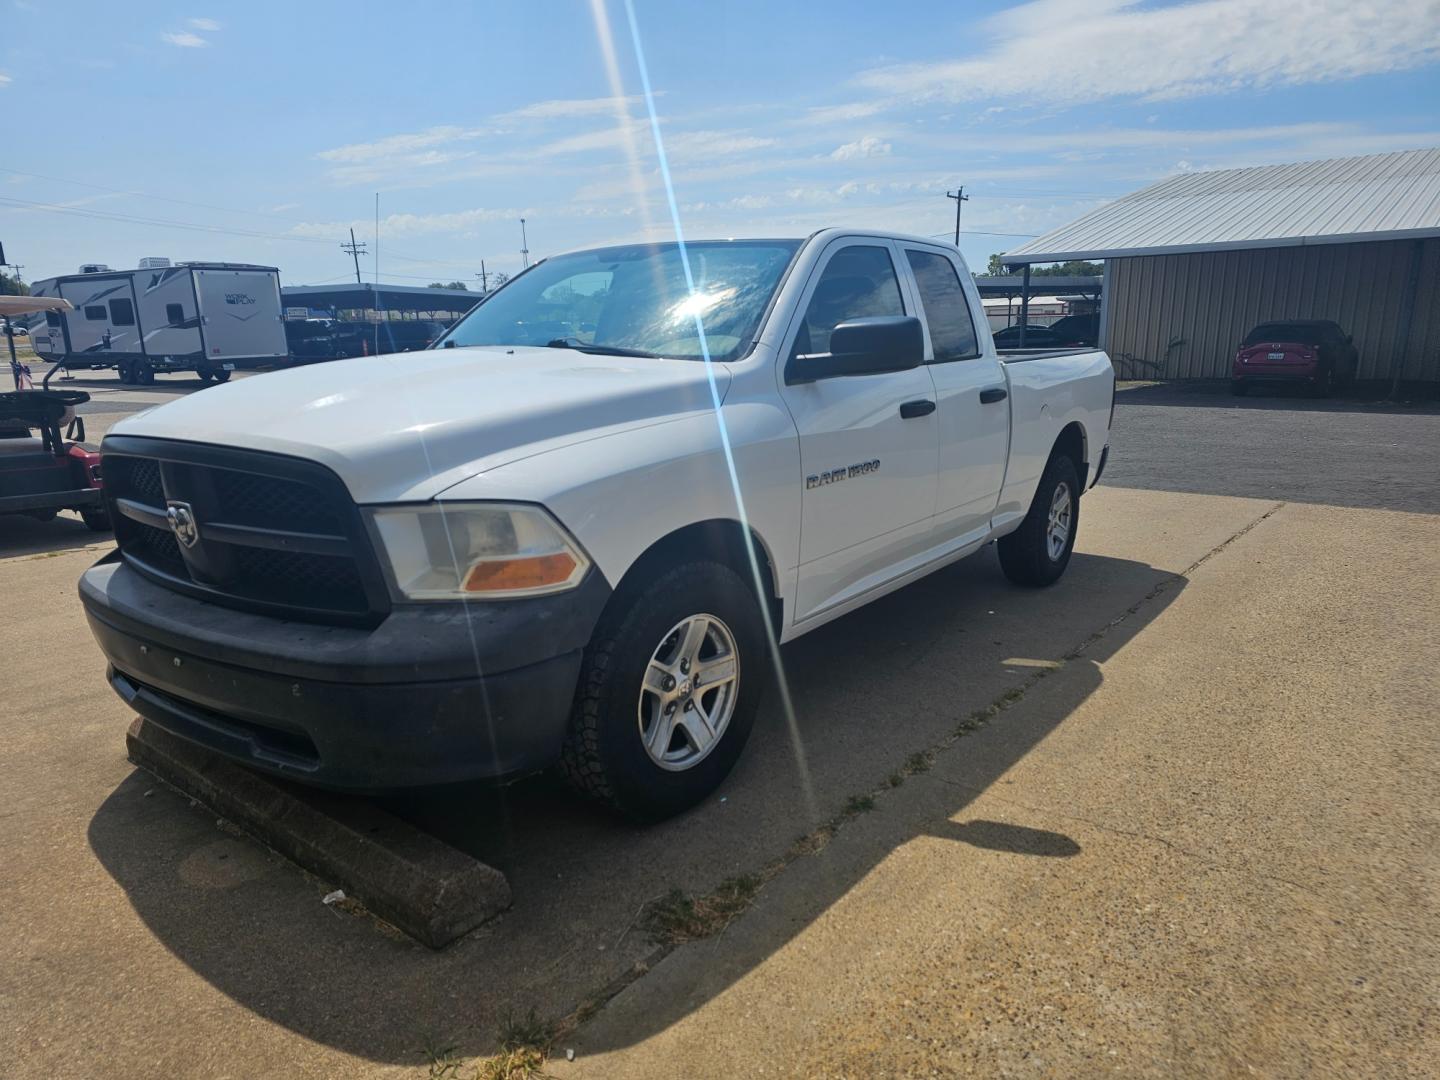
(477, 551)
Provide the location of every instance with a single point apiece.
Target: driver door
(869, 467)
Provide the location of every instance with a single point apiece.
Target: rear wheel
(126, 371)
(221, 375)
(205, 376)
(96, 518)
(143, 373)
(668, 692)
(1037, 553)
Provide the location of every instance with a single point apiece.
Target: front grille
(273, 534)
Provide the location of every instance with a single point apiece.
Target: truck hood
(407, 426)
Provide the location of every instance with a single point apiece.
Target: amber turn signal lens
(523, 572)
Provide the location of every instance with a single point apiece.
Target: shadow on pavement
(1016, 839)
(22, 535)
(869, 690)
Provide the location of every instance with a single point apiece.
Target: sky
(263, 132)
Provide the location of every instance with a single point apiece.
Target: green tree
(10, 286)
(1073, 268)
(995, 268)
(448, 285)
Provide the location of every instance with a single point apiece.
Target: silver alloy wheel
(1057, 532)
(689, 692)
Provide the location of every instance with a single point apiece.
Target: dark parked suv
(1314, 353)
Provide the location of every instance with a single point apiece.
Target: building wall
(1187, 313)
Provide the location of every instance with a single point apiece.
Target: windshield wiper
(598, 350)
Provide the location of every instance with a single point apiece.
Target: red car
(1314, 353)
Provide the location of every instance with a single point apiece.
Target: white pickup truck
(573, 531)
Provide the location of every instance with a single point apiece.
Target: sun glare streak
(761, 589)
(622, 110)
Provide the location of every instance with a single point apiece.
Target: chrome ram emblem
(182, 522)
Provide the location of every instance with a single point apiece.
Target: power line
(164, 223)
(147, 195)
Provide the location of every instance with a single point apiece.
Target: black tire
(221, 375)
(96, 518)
(126, 371)
(205, 376)
(604, 756)
(1025, 553)
(1325, 384)
(1239, 387)
(144, 374)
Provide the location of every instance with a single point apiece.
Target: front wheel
(1038, 551)
(668, 692)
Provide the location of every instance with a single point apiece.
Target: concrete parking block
(426, 888)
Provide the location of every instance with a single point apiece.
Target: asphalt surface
(1204, 843)
(1343, 452)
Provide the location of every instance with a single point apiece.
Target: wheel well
(1071, 442)
(723, 541)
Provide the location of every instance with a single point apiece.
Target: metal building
(1195, 261)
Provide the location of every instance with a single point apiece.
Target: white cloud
(1042, 52)
(405, 145)
(184, 40)
(869, 146)
(203, 24)
(569, 108)
(5, 80)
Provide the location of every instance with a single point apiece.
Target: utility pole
(960, 199)
(524, 247)
(484, 281)
(17, 267)
(354, 249)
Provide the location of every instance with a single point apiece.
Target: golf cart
(52, 469)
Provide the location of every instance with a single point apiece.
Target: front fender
(620, 493)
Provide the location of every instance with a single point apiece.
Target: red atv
(44, 473)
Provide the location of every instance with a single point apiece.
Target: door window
(952, 330)
(95, 312)
(122, 313)
(175, 314)
(858, 282)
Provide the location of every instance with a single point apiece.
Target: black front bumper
(436, 693)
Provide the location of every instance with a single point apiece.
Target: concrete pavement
(1183, 759)
(1218, 855)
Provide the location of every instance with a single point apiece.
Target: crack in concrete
(593, 1003)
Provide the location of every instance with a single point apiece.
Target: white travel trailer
(210, 318)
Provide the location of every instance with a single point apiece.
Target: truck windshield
(634, 300)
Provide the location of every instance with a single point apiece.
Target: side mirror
(869, 346)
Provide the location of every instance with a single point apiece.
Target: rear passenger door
(971, 391)
(867, 487)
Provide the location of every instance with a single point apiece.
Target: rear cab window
(952, 328)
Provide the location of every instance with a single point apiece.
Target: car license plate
(231, 367)
(1277, 356)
